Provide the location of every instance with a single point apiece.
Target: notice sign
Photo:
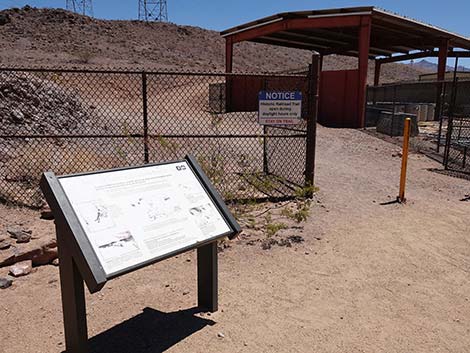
(132, 216)
(280, 108)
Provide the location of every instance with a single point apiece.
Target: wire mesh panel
(73, 121)
(458, 144)
(457, 139)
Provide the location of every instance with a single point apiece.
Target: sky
(452, 15)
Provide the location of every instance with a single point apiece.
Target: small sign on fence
(279, 108)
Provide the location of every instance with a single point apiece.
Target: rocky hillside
(30, 105)
(39, 37)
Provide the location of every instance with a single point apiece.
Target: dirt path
(368, 278)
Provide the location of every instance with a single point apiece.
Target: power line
(84, 7)
(153, 10)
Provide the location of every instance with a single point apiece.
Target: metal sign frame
(79, 263)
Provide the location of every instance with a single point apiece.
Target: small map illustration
(156, 207)
(203, 214)
(95, 216)
(118, 244)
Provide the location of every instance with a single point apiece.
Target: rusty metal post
(441, 73)
(312, 111)
(364, 48)
(378, 65)
(404, 159)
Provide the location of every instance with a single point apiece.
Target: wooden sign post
(113, 222)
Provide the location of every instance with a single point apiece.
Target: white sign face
(279, 108)
(134, 215)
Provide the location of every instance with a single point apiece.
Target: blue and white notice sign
(279, 108)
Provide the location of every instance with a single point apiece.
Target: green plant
(273, 228)
(306, 191)
(213, 166)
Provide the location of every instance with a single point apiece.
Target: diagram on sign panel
(96, 216)
(156, 207)
(203, 215)
(114, 245)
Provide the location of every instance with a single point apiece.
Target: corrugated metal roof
(391, 33)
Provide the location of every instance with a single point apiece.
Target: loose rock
(46, 213)
(17, 116)
(41, 251)
(4, 242)
(21, 235)
(21, 268)
(4, 245)
(5, 282)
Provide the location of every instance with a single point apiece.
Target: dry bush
(33, 160)
(417, 145)
(83, 56)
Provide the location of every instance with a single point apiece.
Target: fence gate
(73, 121)
(457, 150)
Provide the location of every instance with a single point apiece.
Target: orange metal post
(364, 47)
(404, 159)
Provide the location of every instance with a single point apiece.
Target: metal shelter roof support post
(364, 47)
(228, 55)
(378, 65)
(441, 73)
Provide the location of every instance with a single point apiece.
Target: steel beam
(296, 24)
(424, 54)
(441, 75)
(377, 72)
(228, 55)
(364, 47)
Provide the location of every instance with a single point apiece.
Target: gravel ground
(369, 277)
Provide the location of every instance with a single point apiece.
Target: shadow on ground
(451, 173)
(152, 331)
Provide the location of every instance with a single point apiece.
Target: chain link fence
(457, 152)
(71, 121)
(457, 146)
(444, 130)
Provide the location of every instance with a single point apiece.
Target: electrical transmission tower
(84, 7)
(153, 10)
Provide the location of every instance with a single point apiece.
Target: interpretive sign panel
(280, 108)
(112, 222)
(134, 215)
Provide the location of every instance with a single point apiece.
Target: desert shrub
(63, 159)
(83, 56)
(417, 145)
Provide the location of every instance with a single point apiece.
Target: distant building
(449, 76)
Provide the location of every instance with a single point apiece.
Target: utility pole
(153, 10)
(83, 7)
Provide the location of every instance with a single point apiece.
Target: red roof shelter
(362, 32)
